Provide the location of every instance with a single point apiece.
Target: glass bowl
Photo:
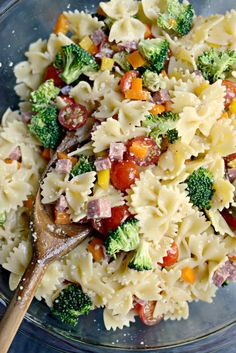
(210, 326)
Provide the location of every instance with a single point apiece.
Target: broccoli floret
(84, 165)
(141, 260)
(124, 238)
(58, 61)
(151, 80)
(155, 51)
(121, 60)
(71, 303)
(200, 188)
(45, 127)
(177, 18)
(75, 62)
(3, 218)
(162, 125)
(172, 135)
(44, 95)
(215, 64)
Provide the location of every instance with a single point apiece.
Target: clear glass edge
(4, 8)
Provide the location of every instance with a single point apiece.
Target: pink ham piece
(15, 155)
(63, 166)
(128, 46)
(62, 204)
(100, 208)
(105, 50)
(98, 37)
(26, 117)
(161, 96)
(102, 163)
(225, 272)
(117, 150)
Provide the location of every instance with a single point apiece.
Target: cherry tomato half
(146, 311)
(230, 92)
(53, 73)
(118, 216)
(73, 116)
(230, 217)
(123, 174)
(125, 82)
(68, 100)
(143, 151)
(172, 255)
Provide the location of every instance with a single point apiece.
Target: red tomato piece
(123, 174)
(230, 217)
(230, 92)
(118, 216)
(126, 80)
(73, 116)
(68, 100)
(143, 151)
(172, 255)
(146, 311)
(54, 74)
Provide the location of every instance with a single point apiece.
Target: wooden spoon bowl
(50, 242)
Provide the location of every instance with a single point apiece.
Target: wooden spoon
(50, 242)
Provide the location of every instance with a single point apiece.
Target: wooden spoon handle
(20, 303)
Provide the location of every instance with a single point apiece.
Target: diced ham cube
(117, 150)
(161, 96)
(15, 155)
(61, 204)
(100, 208)
(63, 166)
(98, 37)
(26, 117)
(128, 46)
(226, 272)
(102, 163)
(105, 51)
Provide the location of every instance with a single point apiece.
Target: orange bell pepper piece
(10, 161)
(157, 109)
(188, 275)
(46, 154)
(135, 59)
(96, 249)
(62, 155)
(139, 149)
(29, 202)
(148, 33)
(62, 25)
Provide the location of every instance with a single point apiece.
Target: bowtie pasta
(153, 87)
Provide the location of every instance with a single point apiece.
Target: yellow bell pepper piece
(104, 178)
(107, 63)
(232, 107)
(86, 43)
(201, 88)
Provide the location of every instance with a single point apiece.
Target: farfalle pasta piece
(114, 196)
(224, 194)
(219, 223)
(55, 42)
(109, 105)
(111, 131)
(17, 262)
(38, 56)
(117, 9)
(53, 186)
(14, 186)
(223, 138)
(23, 73)
(152, 8)
(223, 34)
(132, 113)
(78, 190)
(82, 94)
(117, 321)
(82, 24)
(23, 91)
(202, 118)
(52, 280)
(127, 29)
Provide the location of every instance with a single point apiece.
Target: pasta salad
(153, 88)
